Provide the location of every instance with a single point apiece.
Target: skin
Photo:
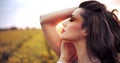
(72, 42)
(48, 23)
(73, 27)
(75, 34)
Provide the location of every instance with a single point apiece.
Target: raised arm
(49, 22)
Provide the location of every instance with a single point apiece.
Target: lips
(62, 31)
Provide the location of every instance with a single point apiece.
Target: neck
(81, 51)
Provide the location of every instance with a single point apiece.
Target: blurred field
(25, 46)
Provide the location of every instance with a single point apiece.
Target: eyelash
(71, 19)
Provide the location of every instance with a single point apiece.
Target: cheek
(75, 27)
(73, 32)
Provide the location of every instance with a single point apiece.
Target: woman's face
(73, 27)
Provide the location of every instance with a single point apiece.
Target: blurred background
(21, 37)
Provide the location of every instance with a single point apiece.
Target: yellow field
(25, 46)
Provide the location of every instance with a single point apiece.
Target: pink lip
(62, 31)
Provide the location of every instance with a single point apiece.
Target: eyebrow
(72, 16)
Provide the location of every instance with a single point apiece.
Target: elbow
(46, 20)
(42, 20)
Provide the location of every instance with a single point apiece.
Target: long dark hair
(103, 40)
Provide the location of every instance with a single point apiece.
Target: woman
(91, 34)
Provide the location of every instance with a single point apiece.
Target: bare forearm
(57, 16)
(49, 22)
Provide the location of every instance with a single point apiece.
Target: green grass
(25, 46)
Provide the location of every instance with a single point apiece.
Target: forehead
(77, 12)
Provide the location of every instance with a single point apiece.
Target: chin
(67, 38)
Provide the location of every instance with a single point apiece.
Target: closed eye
(71, 19)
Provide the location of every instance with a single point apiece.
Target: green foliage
(25, 46)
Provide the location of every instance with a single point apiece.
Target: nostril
(63, 25)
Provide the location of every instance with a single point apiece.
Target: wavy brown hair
(103, 40)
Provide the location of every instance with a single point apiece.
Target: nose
(65, 22)
(64, 25)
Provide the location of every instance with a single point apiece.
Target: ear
(85, 32)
